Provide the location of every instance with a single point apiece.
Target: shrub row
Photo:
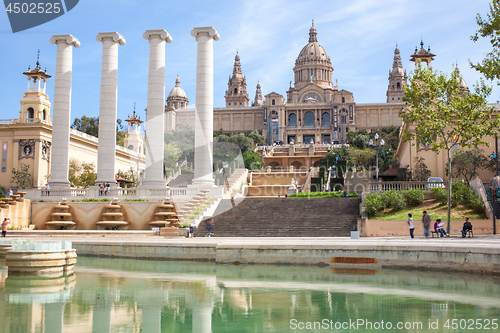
(461, 194)
(396, 200)
(333, 194)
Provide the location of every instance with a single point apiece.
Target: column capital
(115, 36)
(69, 39)
(161, 33)
(210, 31)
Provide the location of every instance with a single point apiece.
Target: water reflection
(120, 295)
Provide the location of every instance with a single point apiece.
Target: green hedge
(312, 195)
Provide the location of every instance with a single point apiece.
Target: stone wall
(387, 228)
(19, 214)
(87, 214)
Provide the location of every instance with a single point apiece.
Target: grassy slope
(435, 210)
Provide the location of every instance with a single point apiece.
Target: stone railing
(401, 186)
(180, 193)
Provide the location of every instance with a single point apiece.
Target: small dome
(312, 51)
(177, 91)
(237, 57)
(463, 84)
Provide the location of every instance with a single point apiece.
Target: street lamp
(376, 144)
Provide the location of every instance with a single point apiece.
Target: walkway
(478, 254)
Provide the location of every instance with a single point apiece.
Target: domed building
(314, 109)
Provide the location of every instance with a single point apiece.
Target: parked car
(438, 183)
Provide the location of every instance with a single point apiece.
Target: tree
(171, 155)
(489, 28)
(361, 141)
(22, 177)
(81, 174)
(420, 172)
(443, 115)
(88, 125)
(467, 164)
(131, 174)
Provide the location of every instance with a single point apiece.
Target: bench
(469, 232)
(434, 232)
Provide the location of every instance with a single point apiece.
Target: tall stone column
(155, 113)
(61, 111)
(204, 123)
(106, 151)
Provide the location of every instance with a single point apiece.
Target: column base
(59, 185)
(200, 183)
(153, 184)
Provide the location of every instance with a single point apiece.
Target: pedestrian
(279, 194)
(5, 224)
(426, 221)
(410, 224)
(108, 187)
(10, 192)
(466, 227)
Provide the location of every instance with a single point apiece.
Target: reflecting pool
(125, 295)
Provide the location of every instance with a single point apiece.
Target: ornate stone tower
(422, 55)
(134, 139)
(258, 96)
(397, 80)
(236, 94)
(35, 105)
(177, 98)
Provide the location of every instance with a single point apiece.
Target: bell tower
(236, 94)
(397, 80)
(35, 105)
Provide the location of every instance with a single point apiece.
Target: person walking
(5, 224)
(426, 221)
(410, 224)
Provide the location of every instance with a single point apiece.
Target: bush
(334, 194)
(414, 197)
(186, 172)
(476, 204)
(394, 200)
(374, 204)
(3, 192)
(440, 194)
(459, 191)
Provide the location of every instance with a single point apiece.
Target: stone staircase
(272, 217)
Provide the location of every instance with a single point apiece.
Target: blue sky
(359, 36)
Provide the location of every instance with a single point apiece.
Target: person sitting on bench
(438, 228)
(466, 228)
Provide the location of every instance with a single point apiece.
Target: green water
(121, 295)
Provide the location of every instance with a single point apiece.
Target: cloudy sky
(359, 37)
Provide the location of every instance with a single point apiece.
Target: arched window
(309, 119)
(235, 90)
(292, 120)
(343, 99)
(44, 115)
(131, 147)
(398, 85)
(273, 102)
(325, 119)
(30, 114)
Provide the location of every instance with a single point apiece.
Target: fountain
(112, 218)
(62, 219)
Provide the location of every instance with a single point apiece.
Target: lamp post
(376, 144)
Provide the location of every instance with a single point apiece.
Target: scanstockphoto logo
(28, 14)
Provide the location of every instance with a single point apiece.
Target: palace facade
(313, 109)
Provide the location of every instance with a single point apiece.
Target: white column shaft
(106, 152)
(155, 113)
(203, 155)
(59, 161)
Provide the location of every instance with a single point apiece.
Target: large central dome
(313, 64)
(312, 52)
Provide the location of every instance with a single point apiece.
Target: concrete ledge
(455, 254)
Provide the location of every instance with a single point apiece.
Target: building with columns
(313, 109)
(28, 139)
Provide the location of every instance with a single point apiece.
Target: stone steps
(272, 217)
